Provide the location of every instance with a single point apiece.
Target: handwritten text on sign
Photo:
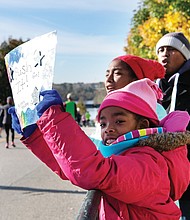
(30, 69)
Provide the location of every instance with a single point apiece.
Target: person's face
(117, 76)
(116, 121)
(171, 59)
(9, 100)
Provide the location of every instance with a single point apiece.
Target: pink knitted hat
(139, 97)
(143, 68)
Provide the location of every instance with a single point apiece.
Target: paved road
(29, 190)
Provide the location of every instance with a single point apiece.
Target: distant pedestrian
(7, 122)
(87, 115)
(83, 119)
(70, 106)
(78, 118)
(1, 119)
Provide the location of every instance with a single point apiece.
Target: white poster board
(30, 68)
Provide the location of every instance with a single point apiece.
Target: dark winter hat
(143, 68)
(176, 40)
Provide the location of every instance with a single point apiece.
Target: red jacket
(141, 183)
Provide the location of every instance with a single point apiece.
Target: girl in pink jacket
(137, 181)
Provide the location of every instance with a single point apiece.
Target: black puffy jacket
(182, 101)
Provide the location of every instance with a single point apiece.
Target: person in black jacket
(7, 121)
(173, 51)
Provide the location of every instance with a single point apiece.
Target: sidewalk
(29, 190)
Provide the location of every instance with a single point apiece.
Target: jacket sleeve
(135, 174)
(180, 176)
(37, 145)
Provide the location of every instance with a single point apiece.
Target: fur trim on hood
(166, 141)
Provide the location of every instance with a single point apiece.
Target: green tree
(6, 47)
(152, 20)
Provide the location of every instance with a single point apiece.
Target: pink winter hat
(144, 68)
(139, 97)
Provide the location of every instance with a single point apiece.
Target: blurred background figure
(83, 119)
(87, 115)
(7, 121)
(1, 119)
(70, 106)
(78, 117)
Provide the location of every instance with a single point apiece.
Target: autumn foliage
(152, 20)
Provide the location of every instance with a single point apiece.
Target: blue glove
(27, 131)
(50, 97)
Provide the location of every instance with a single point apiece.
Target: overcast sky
(90, 33)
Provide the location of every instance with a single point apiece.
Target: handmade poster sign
(30, 68)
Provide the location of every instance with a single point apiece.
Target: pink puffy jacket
(136, 184)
